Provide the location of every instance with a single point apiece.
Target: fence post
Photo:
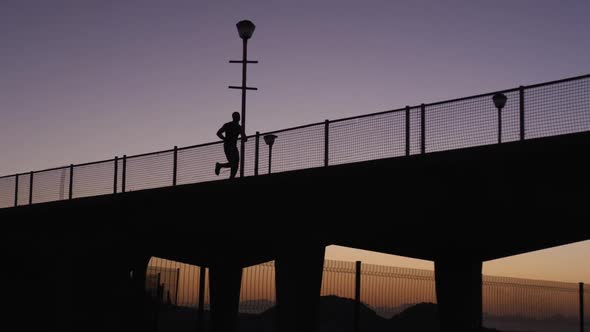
(499, 125)
(256, 153)
(71, 189)
(124, 175)
(116, 175)
(326, 141)
(177, 281)
(357, 297)
(158, 304)
(521, 97)
(407, 130)
(581, 307)
(201, 311)
(175, 169)
(16, 191)
(31, 189)
(422, 128)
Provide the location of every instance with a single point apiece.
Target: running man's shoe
(217, 168)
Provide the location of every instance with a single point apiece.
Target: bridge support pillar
(298, 285)
(225, 282)
(27, 290)
(76, 291)
(139, 311)
(107, 292)
(459, 293)
(57, 284)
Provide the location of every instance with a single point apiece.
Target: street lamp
(269, 140)
(245, 30)
(499, 102)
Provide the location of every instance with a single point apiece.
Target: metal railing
(540, 110)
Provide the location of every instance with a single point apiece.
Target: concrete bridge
(79, 264)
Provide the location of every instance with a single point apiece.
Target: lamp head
(270, 139)
(499, 100)
(245, 29)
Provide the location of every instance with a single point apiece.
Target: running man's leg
(233, 157)
(234, 160)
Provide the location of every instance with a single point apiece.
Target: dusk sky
(87, 80)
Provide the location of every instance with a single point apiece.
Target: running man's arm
(220, 133)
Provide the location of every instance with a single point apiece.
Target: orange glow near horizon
(391, 283)
(561, 263)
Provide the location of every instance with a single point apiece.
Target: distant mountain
(336, 315)
(388, 311)
(255, 306)
(420, 317)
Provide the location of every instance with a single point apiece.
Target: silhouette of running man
(231, 130)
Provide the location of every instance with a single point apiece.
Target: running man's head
(236, 116)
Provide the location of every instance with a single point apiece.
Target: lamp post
(245, 30)
(499, 101)
(269, 140)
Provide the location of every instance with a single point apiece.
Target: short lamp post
(499, 102)
(269, 140)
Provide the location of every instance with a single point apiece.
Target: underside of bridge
(457, 208)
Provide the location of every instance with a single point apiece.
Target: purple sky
(88, 80)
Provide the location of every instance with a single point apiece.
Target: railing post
(124, 175)
(407, 130)
(581, 307)
(201, 312)
(256, 153)
(175, 169)
(177, 282)
(71, 189)
(16, 191)
(357, 297)
(499, 125)
(269, 158)
(31, 188)
(115, 180)
(521, 98)
(326, 142)
(159, 292)
(422, 128)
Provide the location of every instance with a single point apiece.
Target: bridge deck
(491, 201)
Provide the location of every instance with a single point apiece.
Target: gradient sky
(88, 80)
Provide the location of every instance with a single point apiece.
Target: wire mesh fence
(470, 122)
(415, 134)
(24, 189)
(293, 150)
(94, 179)
(149, 171)
(162, 283)
(7, 191)
(542, 110)
(367, 138)
(197, 164)
(509, 304)
(338, 279)
(545, 306)
(557, 109)
(389, 290)
(52, 185)
(176, 283)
